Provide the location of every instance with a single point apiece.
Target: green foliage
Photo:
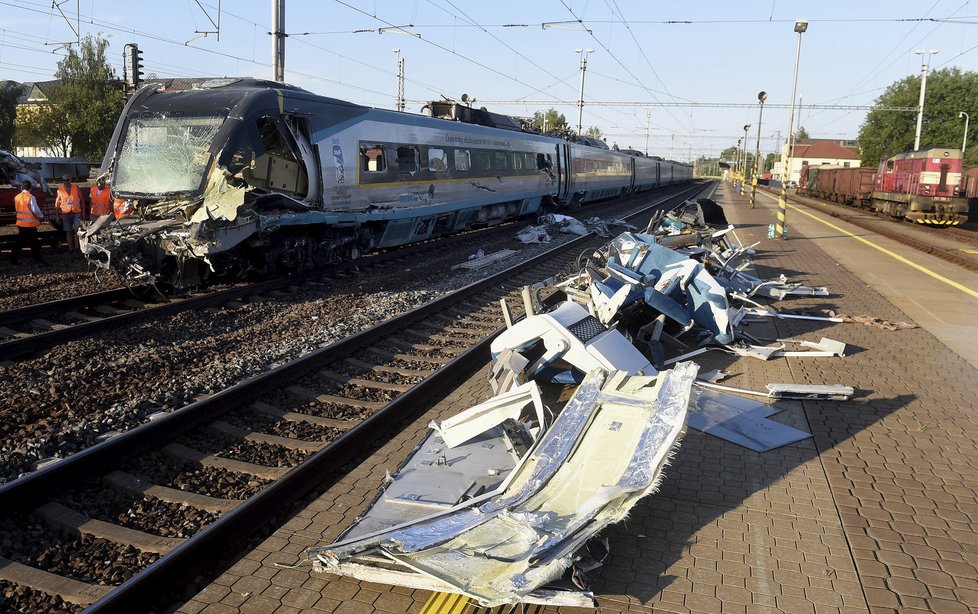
(9, 92)
(594, 132)
(949, 91)
(801, 133)
(549, 121)
(83, 108)
(768, 162)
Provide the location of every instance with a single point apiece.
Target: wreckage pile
(501, 500)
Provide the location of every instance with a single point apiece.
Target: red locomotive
(923, 186)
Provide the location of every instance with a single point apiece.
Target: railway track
(137, 513)
(28, 330)
(46, 237)
(898, 231)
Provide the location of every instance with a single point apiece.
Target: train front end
(203, 172)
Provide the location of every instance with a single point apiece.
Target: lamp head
(801, 25)
(746, 127)
(762, 96)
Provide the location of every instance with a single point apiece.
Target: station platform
(876, 512)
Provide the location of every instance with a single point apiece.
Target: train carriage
(243, 175)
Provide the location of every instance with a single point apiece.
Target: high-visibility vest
(101, 201)
(121, 208)
(69, 203)
(25, 217)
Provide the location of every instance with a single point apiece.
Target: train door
(563, 172)
(631, 185)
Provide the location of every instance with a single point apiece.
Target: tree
(549, 121)
(9, 93)
(801, 133)
(82, 109)
(949, 91)
(768, 163)
(594, 132)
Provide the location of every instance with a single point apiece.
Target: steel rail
(186, 560)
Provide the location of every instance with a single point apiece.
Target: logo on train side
(338, 165)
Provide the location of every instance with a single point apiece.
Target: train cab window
(483, 161)
(437, 160)
(463, 160)
(889, 166)
(372, 159)
(499, 161)
(407, 159)
(846, 164)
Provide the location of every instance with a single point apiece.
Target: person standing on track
(69, 204)
(99, 199)
(29, 217)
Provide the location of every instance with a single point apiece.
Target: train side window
(372, 159)
(482, 161)
(437, 160)
(544, 162)
(463, 160)
(407, 159)
(528, 161)
(518, 161)
(500, 163)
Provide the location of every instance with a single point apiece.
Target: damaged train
(241, 176)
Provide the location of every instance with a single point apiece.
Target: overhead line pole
(278, 40)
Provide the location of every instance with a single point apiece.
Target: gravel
(14, 598)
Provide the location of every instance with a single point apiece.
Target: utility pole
(580, 102)
(925, 53)
(761, 97)
(648, 127)
(780, 228)
(400, 81)
(278, 40)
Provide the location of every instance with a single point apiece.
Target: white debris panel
(604, 451)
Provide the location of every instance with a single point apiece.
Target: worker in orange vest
(69, 204)
(100, 199)
(29, 217)
(121, 208)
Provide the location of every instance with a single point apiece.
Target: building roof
(36, 91)
(823, 148)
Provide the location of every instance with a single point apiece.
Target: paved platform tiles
(875, 513)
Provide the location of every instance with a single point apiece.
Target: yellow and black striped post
(780, 228)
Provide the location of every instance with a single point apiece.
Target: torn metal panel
(462, 427)
(572, 336)
(824, 347)
(835, 392)
(741, 421)
(604, 451)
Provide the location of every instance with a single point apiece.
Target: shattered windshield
(161, 155)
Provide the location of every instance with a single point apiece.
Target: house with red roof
(817, 152)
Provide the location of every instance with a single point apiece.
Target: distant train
(242, 175)
(923, 186)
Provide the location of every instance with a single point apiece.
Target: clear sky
(645, 51)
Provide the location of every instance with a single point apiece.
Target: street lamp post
(761, 97)
(964, 142)
(737, 159)
(580, 102)
(780, 230)
(925, 53)
(744, 169)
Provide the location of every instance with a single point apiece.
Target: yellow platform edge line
(445, 603)
(895, 256)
